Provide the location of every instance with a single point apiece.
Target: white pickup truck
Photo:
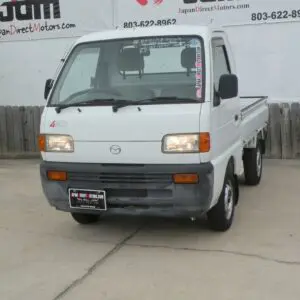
(150, 122)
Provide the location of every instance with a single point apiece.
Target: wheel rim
(228, 199)
(258, 162)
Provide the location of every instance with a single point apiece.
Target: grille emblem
(115, 149)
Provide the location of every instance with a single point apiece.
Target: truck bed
(254, 116)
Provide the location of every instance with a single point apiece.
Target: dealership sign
(29, 10)
(42, 19)
(47, 19)
(145, 13)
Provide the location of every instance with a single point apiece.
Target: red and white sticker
(60, 123)
(199, 73)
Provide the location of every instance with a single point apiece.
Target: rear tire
(85, 219)
(220, 217)
(253, 165)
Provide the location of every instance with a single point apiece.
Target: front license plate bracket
(85, 199)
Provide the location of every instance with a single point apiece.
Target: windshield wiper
(119, 103)
(157, 100)
(173, 99)
(59, 108)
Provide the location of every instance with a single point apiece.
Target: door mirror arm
(217, 98)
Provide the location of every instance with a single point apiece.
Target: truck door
(225, 114)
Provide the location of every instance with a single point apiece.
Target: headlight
(56, 143)
(181, 143)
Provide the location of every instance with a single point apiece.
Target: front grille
(120, 177)
(128, 193)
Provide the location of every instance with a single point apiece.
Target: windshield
(132, 70)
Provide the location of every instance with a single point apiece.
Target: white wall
(24, 68)
(266, 50)
(267, 55)
(268, 59)
(27, 60)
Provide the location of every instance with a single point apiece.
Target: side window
(220, 61)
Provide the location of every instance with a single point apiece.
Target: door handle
(236, 118)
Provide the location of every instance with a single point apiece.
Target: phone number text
(149, 23)
(276, 15)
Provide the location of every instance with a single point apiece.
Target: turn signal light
(204, 142)
(42, 143)
(57, 175)
(185, 178)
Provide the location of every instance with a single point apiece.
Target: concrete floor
(45, 255)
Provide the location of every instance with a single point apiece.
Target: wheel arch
(258, 139)
(231, 166)
(261, 140)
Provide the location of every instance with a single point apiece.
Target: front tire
(85, 219)
(220, 217)
(253, 165)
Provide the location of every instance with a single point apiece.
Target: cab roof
(205, 31)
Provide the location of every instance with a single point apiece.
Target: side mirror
(48, 87)
(228, 86)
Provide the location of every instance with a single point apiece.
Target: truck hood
(138, 132)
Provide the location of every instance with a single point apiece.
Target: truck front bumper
(133, 189)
